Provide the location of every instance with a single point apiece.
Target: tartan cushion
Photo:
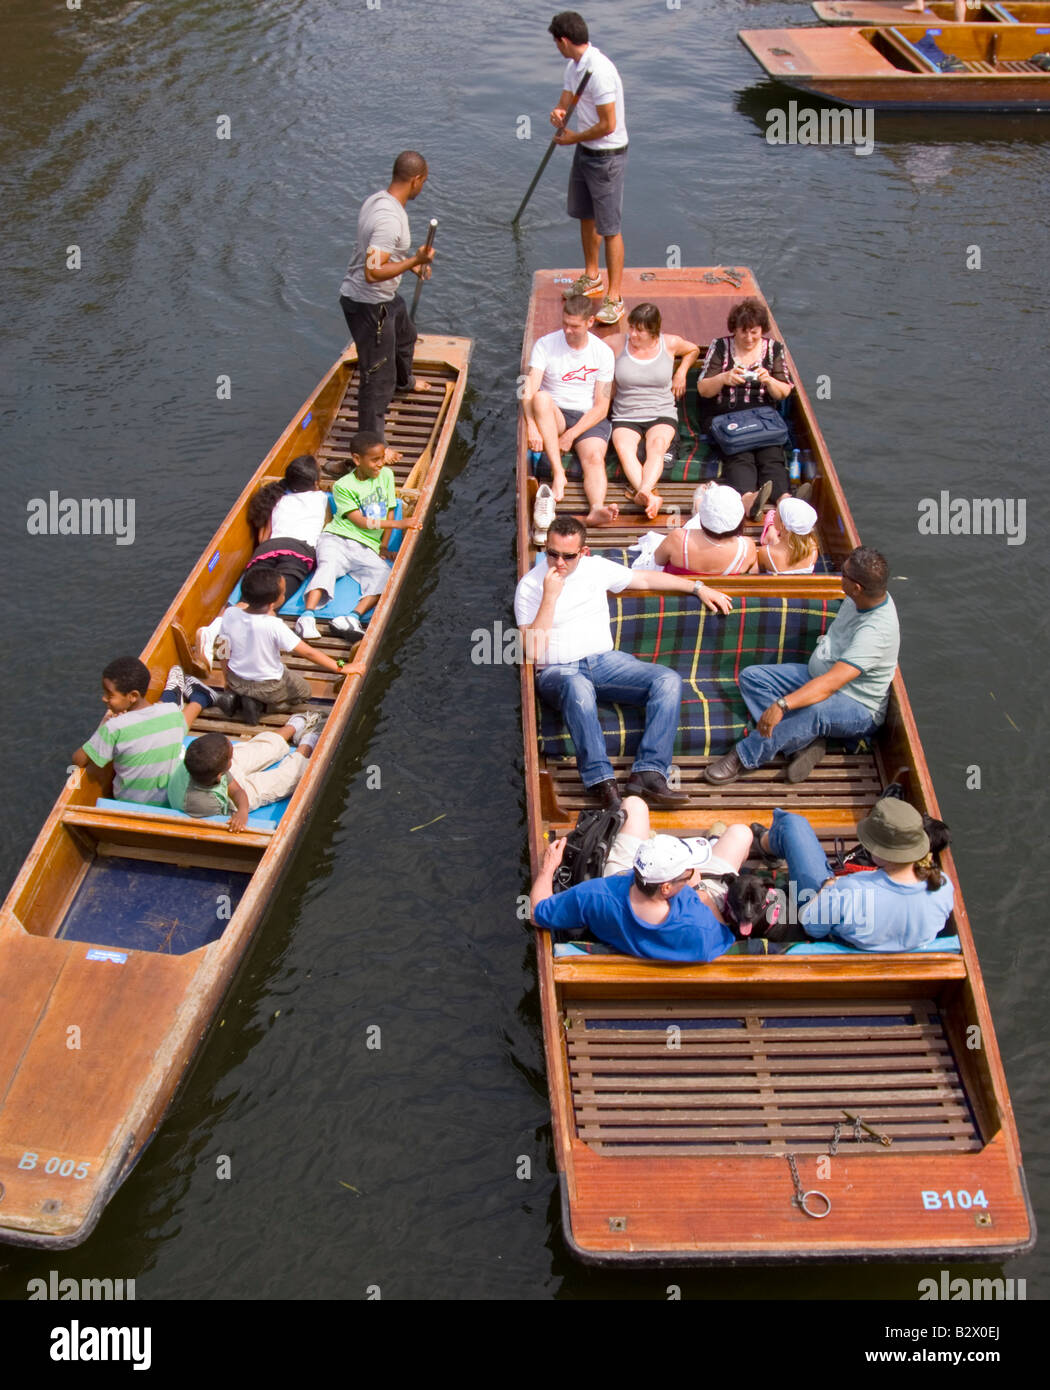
(708, 650)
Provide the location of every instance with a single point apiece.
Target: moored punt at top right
(942, 11)
(904, 66)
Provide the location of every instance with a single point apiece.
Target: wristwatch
(698, 585)
(784, 705)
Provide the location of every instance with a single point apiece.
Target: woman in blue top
(899, 906)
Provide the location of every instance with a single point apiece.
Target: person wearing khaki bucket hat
(899, 905)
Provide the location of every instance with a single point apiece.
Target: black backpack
(587, 847)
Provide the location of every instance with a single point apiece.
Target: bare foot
(652, 508)
(602, 516)
(558, 482)
(392, 456)
(748, 499)
(417, 384)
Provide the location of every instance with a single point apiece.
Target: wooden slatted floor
(410, 422)
(848, 783)
(678, 1077)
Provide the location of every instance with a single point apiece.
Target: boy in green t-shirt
(143, 741)
(355, 541)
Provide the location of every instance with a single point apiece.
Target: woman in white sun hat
(712, 541)
(788, 544)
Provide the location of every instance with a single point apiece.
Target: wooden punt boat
(114, 955)
(674, 1152)
(884, 68)
(940, 11)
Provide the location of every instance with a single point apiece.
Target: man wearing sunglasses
(843, 692)
(562, 608)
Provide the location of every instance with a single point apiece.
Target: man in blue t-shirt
(652, 910)
(842, 692)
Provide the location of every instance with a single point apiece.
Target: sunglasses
(561, 555)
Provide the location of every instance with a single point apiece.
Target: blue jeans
(792, 838)
(839, 716)
(575, 689)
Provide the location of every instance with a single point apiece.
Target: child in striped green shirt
(143, 741)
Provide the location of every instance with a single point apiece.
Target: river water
(398, 1167)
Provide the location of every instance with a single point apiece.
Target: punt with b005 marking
(112, 927)
(905, 66)
(678, 1154)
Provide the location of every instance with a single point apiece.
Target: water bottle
(535, 459)
(809, 466)
(795, 468)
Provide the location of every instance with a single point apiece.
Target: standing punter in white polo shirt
(599, 162)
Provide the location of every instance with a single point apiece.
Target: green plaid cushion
(708, 651)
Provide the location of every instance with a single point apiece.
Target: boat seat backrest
(708, 651)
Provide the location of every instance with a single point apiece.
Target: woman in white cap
(788, 544)
(712, 541)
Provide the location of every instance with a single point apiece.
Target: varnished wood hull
(853, 12)
(93, 1044)
(669, 1157)
(871, 68)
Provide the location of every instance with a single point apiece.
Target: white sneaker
(543, 513)
(351, 626)
(308, 727)
(306, 627)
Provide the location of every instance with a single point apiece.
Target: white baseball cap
(797, 516)
(665, 857)
(721, 509)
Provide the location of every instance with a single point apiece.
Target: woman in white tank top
(646, 390)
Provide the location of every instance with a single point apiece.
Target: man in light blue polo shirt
(842, 692)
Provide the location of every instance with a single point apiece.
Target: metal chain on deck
(861, 1131)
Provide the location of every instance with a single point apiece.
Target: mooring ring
(817, 1215)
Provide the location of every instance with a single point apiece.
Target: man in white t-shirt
(562, 607)
(600, 159)
(566, 404)
(376, 315)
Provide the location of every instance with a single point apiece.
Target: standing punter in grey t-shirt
(376, 314)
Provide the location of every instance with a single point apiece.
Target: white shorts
(339, 555)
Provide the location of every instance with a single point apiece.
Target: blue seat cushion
(266, 818)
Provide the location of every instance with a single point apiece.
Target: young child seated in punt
(218, 778)
(287, 518)
(355, 541)
(143, 741)
(788, 544)
(257, 681)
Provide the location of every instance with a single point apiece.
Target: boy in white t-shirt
(566, 404)
(257, 681)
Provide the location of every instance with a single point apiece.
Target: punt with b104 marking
(678, 1092)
